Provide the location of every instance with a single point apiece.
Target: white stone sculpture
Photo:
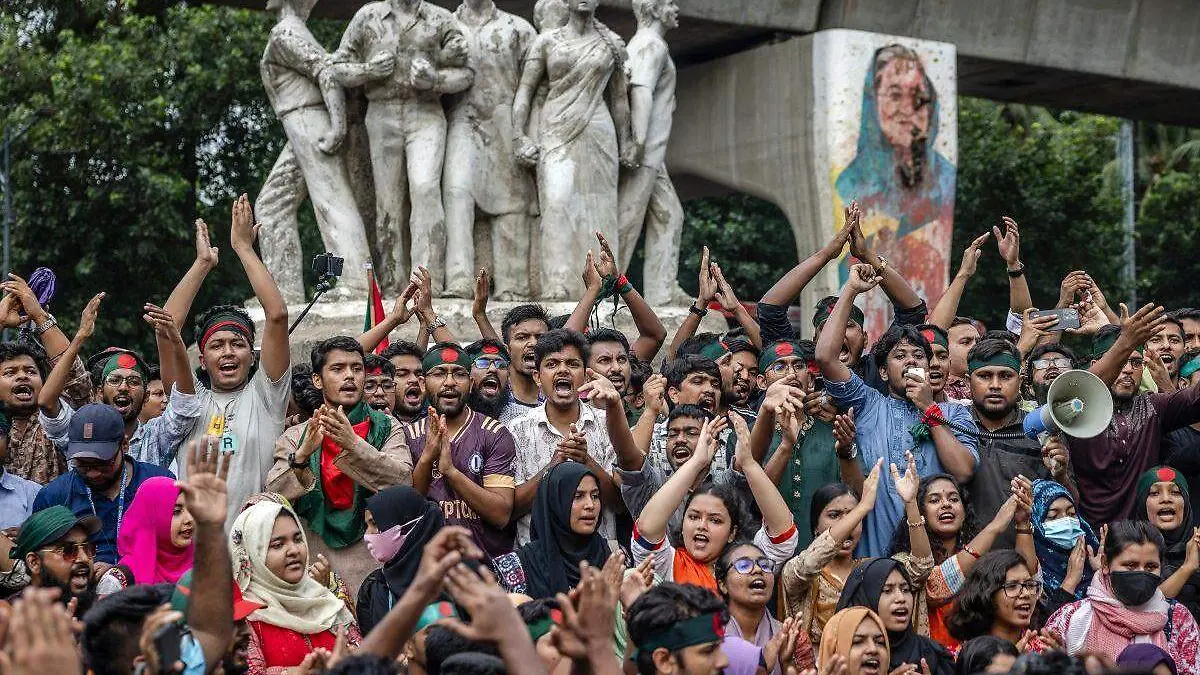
(405, 54)
(647, 195)
(482, 175)
(578, 149)
(311, 107)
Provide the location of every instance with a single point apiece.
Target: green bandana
(1001, 360)
(1190, 367)
(697, 630)
(1103, 343)
(778, 350)
(341, 528)
(934, 335)
(116, 357)
(714, 350)
(540, 627)
(434, 613)
(446, 353)
(825, 308)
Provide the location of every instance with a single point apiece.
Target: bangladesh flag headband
(698, 630)
(446, 354)
(115, 357)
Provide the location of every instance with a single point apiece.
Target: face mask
(385, 545)
(1062, 532)
(1134, 589)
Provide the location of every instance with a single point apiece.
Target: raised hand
(439, 435)
(862, 279)
(24, 296)
(493, 617)
(402, 310)
(243, 231)
(606, 265)
(424, 294)
(844, 432)
(204, 492)
(1075, 563)
(1136, 329)
(589, 613)
(600, 391)
(1008, 241)
(1054, 456)
(1022, 492)
(971, 256)
(1039, 326)
(574, 446)
(706, 283)
(1191, 558)
(654, 392)
(87, 320)
(314, 433)
(40, 637)
(742, 456)
(906, 485)
(337, 427)
(858, 241)
(319, 570)
(206, 254)
(818, 405)
(449, 547)
(1072, 285)
(160, 319)
(917, 390)
(633, 585)
(156, 621)
(871, 487)
(834, 248)
(483, 287)
(725, 294)
(591, 278)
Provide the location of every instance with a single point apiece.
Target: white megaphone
(1078, 404)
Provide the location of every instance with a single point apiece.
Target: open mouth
(618, 382)
(946, 518)
(227, 367)
(186, 534)
(1051, 375)
(848, 545)
(563, 386)
(900, 613)
(529, 358)
(681, 453)
(936, 376)
(1023, 609)
(379, 405)
(758, 584)
(23, 393)
(708, 402)
(1124, 381)
(449, 396)
(412, 396)
(122, 402)
(490, 386)
(869, 665)
(1167, 513)
(348, 388)
(81, 577)
(700, 540)
(844, 355)
(1166, 358)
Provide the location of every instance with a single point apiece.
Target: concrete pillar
(783, 122)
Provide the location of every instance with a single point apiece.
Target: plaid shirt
(31, 453)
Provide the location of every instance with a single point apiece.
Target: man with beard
(379, 384)
(122, 376)
(120, 630)
(793, 435)
(464, 458)
(1190, 318)
(520, 330)
(54, 545)
(610, 357)
(330, 464)
(410, 379)
(489, 377)
(690, 380)
(906, 417)
(1108, 466)
(562, 429)
(1004, 450)
(103, 479)
(1168, 345)
(1043, 365)
(243, 399)
(963, 335)
(235, 660)
(739, 373)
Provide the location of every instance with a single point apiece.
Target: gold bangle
(918, 524)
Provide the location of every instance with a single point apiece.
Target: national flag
(374, 308)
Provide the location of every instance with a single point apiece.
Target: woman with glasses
(746, 579)
(270, 565)
(400, 521)
(1124, 605)
(566, 515)
(1000, 598)
(883, 586)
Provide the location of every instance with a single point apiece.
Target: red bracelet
(968, 551)
(933, 416)
(621, 281)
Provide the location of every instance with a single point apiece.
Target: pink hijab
(144, 542)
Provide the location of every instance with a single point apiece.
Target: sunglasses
(746, 565)
(69, 551)
(484, 363)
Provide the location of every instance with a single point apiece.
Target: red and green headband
(446, 354)
(230, 322)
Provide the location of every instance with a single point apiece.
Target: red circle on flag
(449, 355)
(784, 349)
(491, 349)
(928, 334)
(1166, 474)
(126, 361)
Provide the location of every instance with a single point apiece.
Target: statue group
(475, 122)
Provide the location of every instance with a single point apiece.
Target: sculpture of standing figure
(579, 146)
(647, 195)
(406, 54)
(481, 173)
(311, 106)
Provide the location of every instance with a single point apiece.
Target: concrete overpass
(1130, 58)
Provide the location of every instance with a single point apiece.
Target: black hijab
(398, 505)
(551, 560)
(863, 589)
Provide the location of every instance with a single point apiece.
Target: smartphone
(169, 643)
(916, 372)
(818, 383)
(1068, 319)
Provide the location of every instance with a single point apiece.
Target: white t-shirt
(252, 421)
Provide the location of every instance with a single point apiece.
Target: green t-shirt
(814, 464)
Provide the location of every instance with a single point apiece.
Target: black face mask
(1134, 588)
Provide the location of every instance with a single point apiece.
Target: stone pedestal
(342, 317)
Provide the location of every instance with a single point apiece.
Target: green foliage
(1169, 237)
(750, 238)
(1046, 174)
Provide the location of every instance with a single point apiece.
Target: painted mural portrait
(903, 184)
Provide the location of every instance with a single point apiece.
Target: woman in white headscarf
(270, 566)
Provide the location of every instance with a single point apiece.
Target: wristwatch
(882, 266)
(438, 322)
(294, 464)
(698, 311)
(1018, 272)
(850, 455)
(46, 325)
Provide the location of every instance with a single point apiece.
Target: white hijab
(306, 607)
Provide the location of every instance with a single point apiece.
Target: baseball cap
(96, 432)
(49, 525)
(242, 607)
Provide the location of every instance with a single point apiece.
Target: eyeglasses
(372, 387)
(1013, 588)
(746, 565)
(483, 363)
(779, 367)
(1136, 362)
(96, 464)
(115, 381)
(1062, 363)
(70, 550)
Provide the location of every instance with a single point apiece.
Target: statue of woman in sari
(903, 185)
(583, 131)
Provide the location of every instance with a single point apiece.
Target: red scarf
(338, 487)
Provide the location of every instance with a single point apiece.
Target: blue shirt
(883, 424)
(70, 491)
(16, 499)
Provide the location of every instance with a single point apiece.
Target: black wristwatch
(698, 311)
(294, 464)
(1019, 272)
